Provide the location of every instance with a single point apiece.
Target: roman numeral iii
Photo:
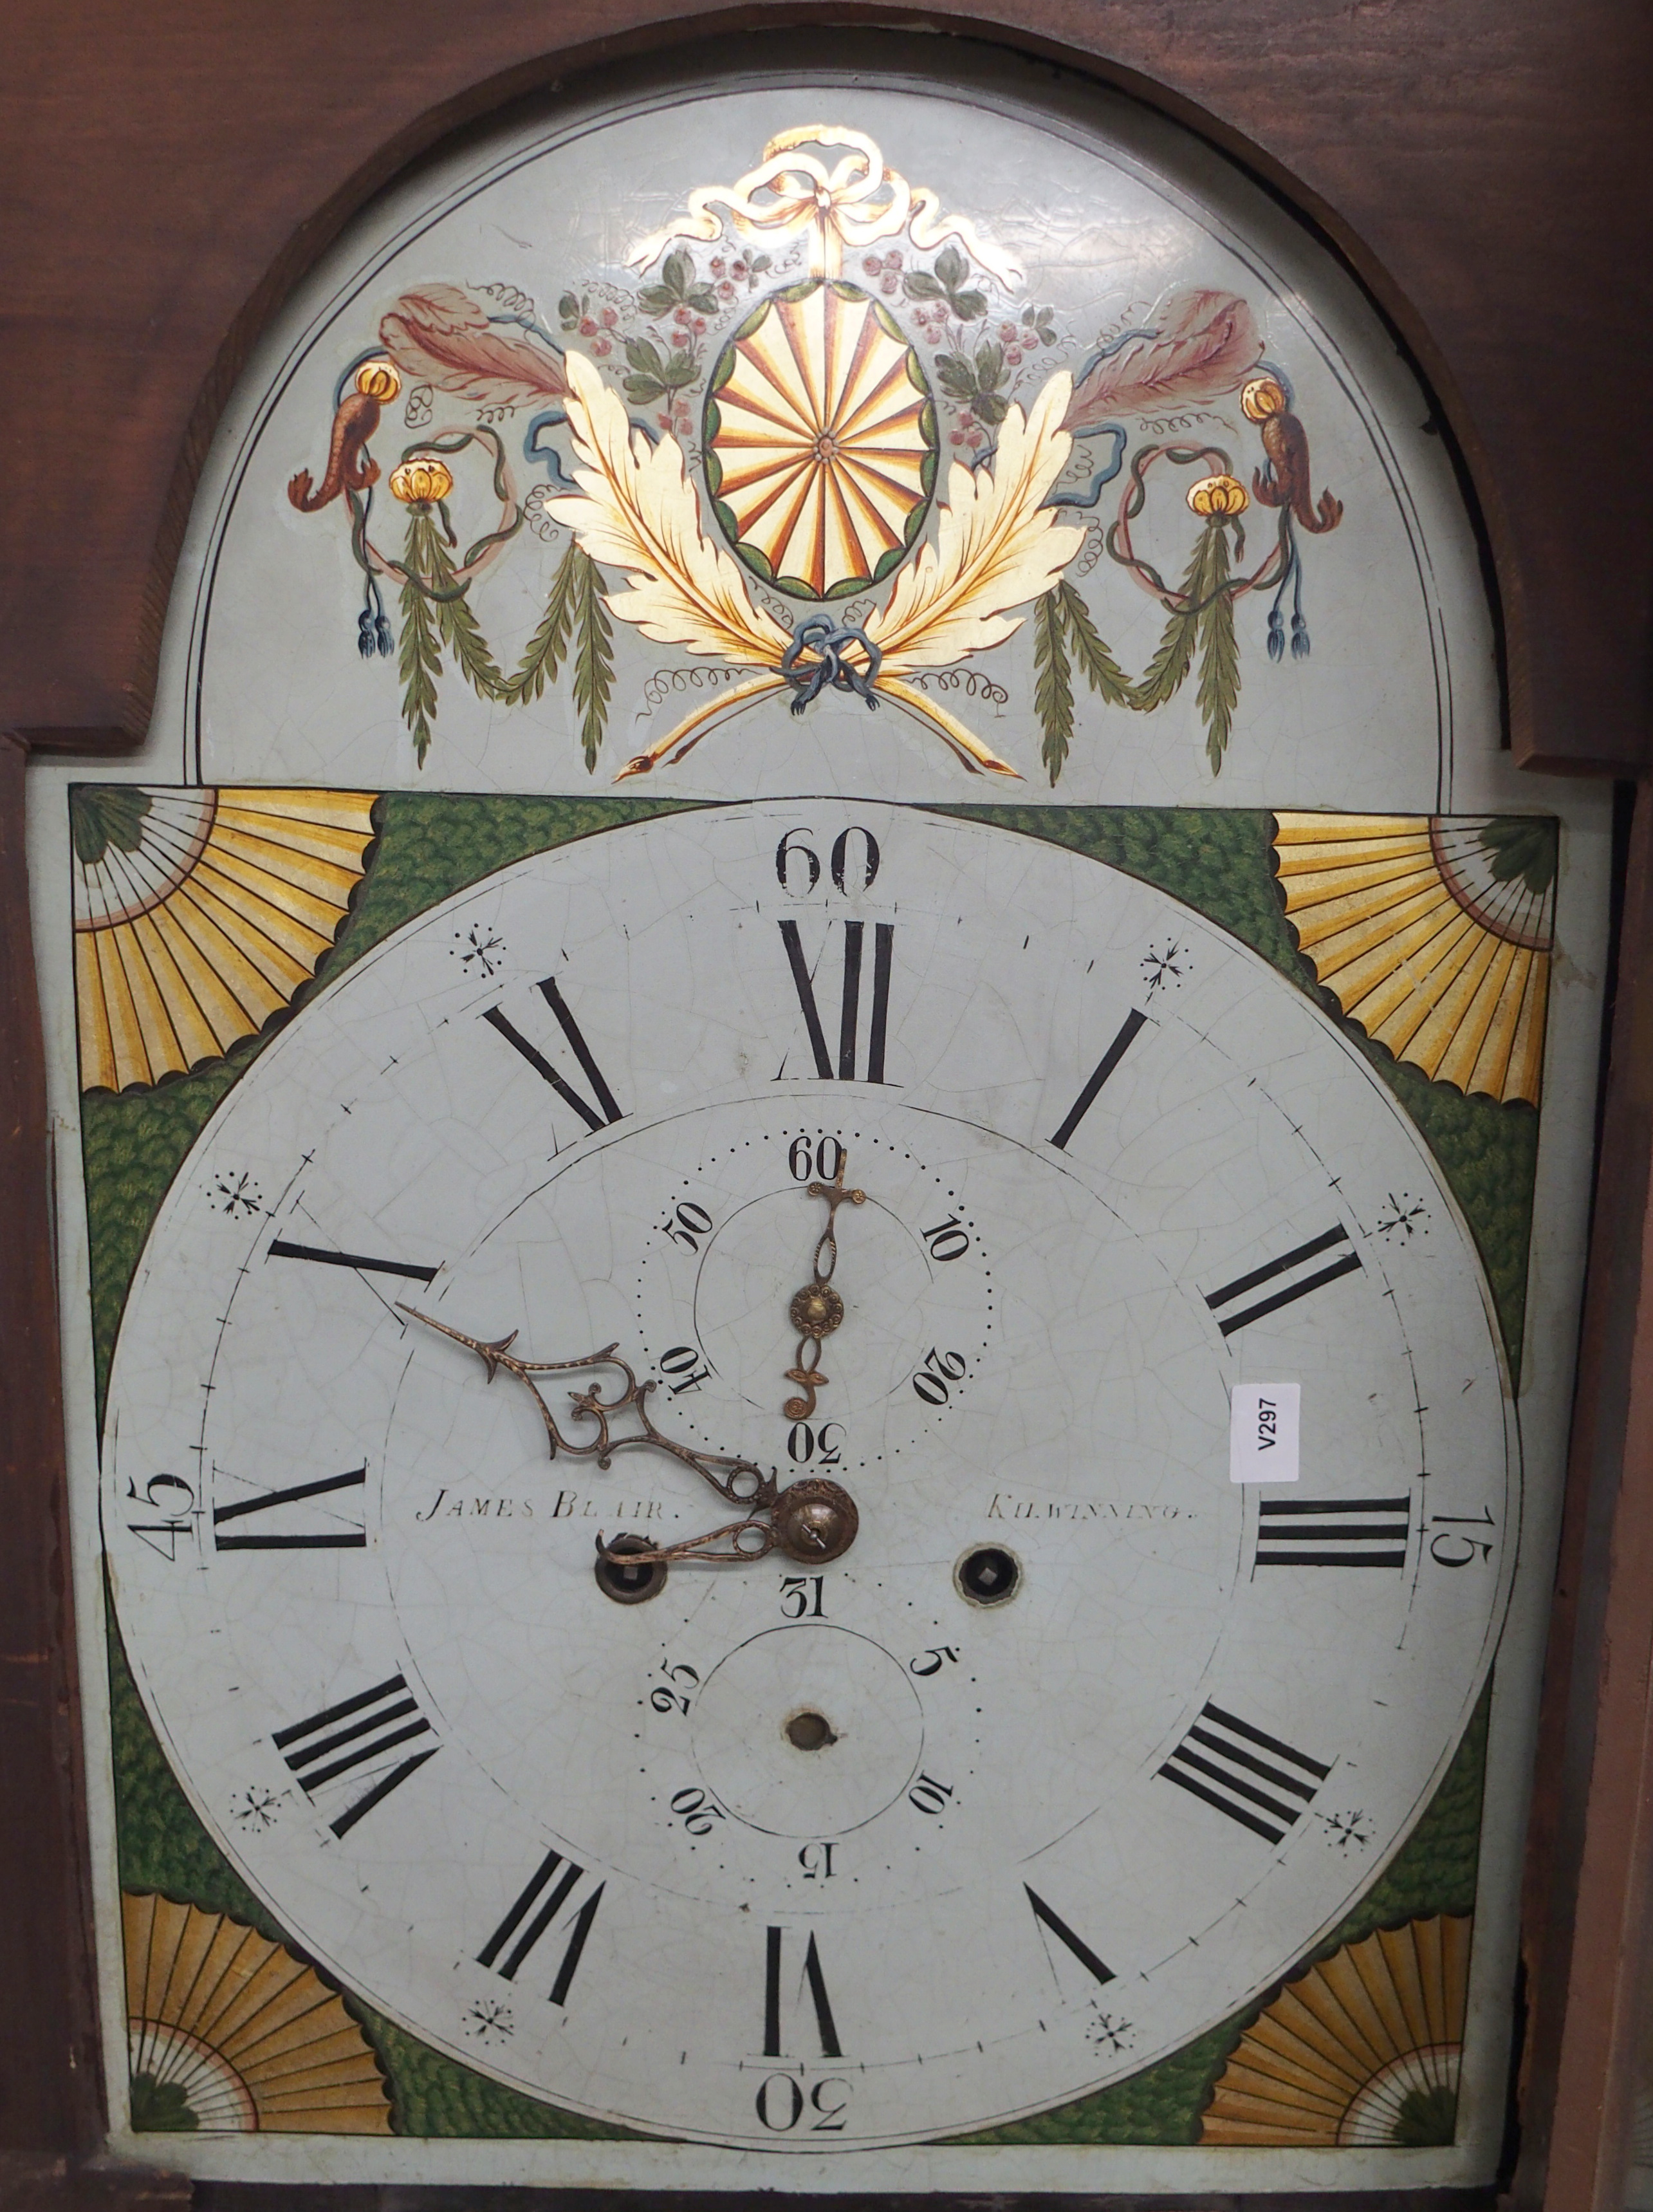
(1234, 1306)
(884, 943)
(553, 1881)
(1250, 1776)
(358, 1732)
(1332, 1531)
(607, 1108)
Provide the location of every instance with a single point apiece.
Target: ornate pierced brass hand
(817, 1310)
(813, 1519)
(742, 1481)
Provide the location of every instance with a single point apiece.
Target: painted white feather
(996, 546)
(637, 511)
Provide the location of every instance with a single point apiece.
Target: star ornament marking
(997, 547)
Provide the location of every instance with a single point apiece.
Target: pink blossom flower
(588, 328)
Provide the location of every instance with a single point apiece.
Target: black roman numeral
(1098, 1075)
(1344, 1264)
(815, 1981)
(342, 1737)
(1332, 1531)
(1250, 1776)
(1060, 1928)
(274, 1540)
(607, 1108)
(884, 943)
(553, 1882)
(281, 1249)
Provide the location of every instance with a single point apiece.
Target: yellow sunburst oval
(1434, 932)
(199, 914)
(227, 2031)
(820, 440)
(1365, 2048)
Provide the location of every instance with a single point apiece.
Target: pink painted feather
(440, 336)
(1208, 345)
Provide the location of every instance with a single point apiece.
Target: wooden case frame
(1480, 166)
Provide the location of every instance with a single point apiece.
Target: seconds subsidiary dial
(1068, 1729)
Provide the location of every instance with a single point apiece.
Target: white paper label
(1262, 1433)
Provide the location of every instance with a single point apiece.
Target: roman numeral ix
(1238, 1316)
(1250, 1776)
(281, 1540)
(815, 1981)
(884, 943)
(607, 1108)
(339, 1738)
(1332, 1531)
(553, 1882)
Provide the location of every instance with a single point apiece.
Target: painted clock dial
(1079, 1745)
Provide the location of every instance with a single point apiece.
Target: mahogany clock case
(1280, 859)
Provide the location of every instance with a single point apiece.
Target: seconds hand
(817, 1310)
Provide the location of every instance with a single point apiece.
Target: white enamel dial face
(1114, 1164)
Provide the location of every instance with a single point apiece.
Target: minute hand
(741, 1481)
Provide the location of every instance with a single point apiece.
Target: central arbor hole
(809, 1731)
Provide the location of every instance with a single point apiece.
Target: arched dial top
(809, 1859)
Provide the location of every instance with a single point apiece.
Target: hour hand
(813, 1519)
(742, 1482)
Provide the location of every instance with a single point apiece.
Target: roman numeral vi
(815, 1980)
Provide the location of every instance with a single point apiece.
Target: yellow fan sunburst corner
(1365, 2048)
(199, 914)
(228, 2032)
(1434, 932)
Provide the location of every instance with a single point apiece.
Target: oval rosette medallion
(820, 440)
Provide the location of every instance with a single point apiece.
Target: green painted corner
(1223, 866)
(428, 846)
(163, 1847)
(1433, 1871)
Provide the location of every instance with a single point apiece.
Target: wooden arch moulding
(1517, 303)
